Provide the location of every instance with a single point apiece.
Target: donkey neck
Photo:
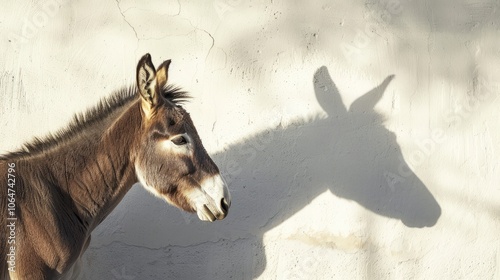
(114, 160)
(98, 167)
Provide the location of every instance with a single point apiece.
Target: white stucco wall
(327, 182)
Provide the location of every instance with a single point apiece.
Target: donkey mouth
(208, 214)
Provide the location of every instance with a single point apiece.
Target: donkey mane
(82, 121)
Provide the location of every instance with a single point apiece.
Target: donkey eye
(179, 140)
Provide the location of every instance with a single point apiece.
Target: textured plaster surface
(359, 138)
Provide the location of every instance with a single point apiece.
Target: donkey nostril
(224, 205)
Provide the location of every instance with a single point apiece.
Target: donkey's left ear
(162, 74)
(147, 84)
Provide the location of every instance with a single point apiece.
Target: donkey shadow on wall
(276, 173)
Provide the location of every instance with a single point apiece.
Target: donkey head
(171, 161)
(365, 159)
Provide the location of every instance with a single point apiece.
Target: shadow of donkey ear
(327, 94)
(371, 98)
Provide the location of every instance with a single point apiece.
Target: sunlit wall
(359, 138)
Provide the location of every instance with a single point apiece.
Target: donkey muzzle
(218, 201)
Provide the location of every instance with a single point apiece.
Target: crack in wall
(213, 42)
(178, 12)
(128, 23)
(195, 28)
(208, 242)
(206, 32)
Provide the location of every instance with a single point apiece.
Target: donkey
(61, 187)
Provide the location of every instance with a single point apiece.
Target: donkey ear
(146, 82)
(162, 74)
